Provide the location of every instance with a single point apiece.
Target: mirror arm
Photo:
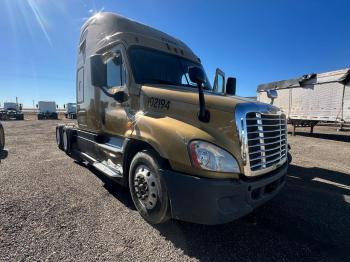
(197, 75)
(204, 114)
(112, 95)
(106, 92)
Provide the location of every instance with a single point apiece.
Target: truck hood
(168, 117)
(186, 96)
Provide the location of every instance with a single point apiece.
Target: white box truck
(313, 98)
(47, 110)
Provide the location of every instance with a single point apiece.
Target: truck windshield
(155, 67)
(10, 106)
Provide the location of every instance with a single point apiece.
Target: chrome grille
(267, 140)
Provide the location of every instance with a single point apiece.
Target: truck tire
(19, 117)
(53, 116)
(40, 117)
(147, 187)
(66, 140)
(2, 138)
(289, 157)
(59, 130)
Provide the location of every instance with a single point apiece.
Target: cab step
(107, 170)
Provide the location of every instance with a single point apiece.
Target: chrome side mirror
(196, 75)
(272, 93)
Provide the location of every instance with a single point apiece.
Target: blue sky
(255, 41)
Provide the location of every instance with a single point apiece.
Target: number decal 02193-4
(158, 103)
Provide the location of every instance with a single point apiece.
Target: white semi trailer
(47, 110)
(313, 98)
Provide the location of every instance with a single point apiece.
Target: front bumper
(216, 201)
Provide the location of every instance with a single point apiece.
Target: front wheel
(147, 187)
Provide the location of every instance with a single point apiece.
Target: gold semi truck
(148, 118)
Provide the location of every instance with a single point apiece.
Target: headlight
(210, 157)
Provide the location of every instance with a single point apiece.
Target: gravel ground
(52, 208)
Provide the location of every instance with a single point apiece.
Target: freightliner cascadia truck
(148, 118)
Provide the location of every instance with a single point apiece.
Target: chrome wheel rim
(65, 141)
(58, 139)
(145, 187)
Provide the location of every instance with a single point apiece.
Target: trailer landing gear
(303, 123)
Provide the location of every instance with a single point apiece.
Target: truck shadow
(322, 179)
(341, 137)
(119, 192)
(309, 219)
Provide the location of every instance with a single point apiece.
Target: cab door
(113, 114)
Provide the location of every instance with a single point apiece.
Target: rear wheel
(289, 157)
(59, 137)
(65, 140)
(147, 187)
(2, 138)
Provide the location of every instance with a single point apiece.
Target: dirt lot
(54, 209)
